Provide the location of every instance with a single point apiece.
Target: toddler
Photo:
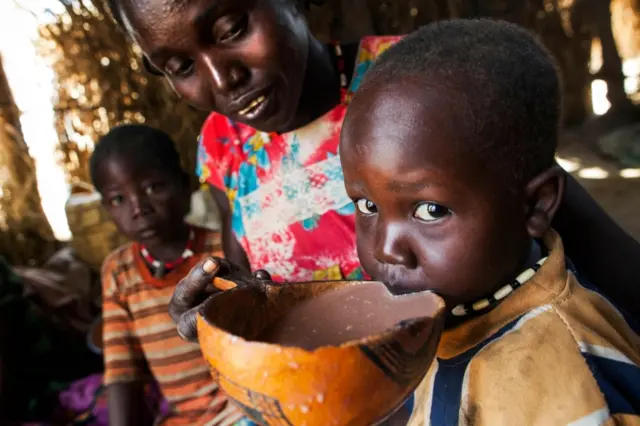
(448, 154)
(137, 171)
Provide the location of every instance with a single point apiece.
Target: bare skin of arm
(127, 406)
(233, 251)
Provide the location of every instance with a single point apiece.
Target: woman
(269, 148)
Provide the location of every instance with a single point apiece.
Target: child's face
(428, 215)
(245, 59)
(146, 204)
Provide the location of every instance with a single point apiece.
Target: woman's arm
(233, 251)
(601, 249)
(127, 406)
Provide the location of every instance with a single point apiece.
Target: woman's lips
(259, 108)
(253, 105)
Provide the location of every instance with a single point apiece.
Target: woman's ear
(544, 195)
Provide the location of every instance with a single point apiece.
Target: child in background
(448, 154)
(137, 171)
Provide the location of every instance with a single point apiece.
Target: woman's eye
(366, 207)
(232, 29)
(176, 68)
(429, 212)
(116, 200)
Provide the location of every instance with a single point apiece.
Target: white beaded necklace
(467, 308)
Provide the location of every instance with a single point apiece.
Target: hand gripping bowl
(359, 382)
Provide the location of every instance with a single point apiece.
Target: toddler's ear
(544, 195)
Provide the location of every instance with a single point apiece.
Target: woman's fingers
(262, 275)
(192, 288)
(186, 325)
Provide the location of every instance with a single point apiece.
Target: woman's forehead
(157, 24)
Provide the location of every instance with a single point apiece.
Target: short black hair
(144, 144)
(499, 75)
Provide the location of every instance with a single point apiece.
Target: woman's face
(245, 59)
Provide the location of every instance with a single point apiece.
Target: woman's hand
(194, 289)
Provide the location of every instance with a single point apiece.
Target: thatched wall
(25, 234)
(101, 83)
(551, 19)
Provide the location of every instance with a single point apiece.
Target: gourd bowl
(360, 382)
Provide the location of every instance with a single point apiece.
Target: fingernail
(209, 266)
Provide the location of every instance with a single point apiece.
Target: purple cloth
(86, 400)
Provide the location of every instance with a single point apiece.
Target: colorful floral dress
(290, 211)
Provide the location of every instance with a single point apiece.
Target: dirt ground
(619, 196)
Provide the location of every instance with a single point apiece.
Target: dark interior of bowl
(310, 315)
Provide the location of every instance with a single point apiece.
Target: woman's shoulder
(376, 45)
(368, 51)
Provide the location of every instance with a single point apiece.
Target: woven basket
(94, 234)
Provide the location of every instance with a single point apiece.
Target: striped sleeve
(124, 359)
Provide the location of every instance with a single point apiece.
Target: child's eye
(151, 189)
(429, 212)
(116, 200)
(366, 207)
(231, 29)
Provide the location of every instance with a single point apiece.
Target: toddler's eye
(116, 200)
(150, 189)
(366, 207)
(429, 212)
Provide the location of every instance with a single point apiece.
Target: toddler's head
(448, 153)
(136, 169)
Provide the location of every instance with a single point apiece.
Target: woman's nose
(225, 73)
(392, 246)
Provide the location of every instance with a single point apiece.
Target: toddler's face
(429, 215)
(144, 202)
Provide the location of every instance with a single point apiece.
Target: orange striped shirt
(141, 341)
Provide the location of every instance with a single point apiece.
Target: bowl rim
(374, 338)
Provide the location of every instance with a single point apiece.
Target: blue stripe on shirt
(619, 382)
(447, 386)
